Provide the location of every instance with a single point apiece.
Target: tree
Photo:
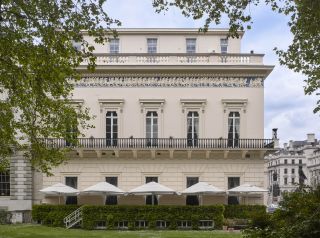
(297, 217)
(303, 55)
(37, 57)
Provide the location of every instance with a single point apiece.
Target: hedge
(243, 211)
(113, 214)
(52, 215)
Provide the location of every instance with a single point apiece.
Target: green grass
(37, 231)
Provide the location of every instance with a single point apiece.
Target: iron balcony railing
(159, 143)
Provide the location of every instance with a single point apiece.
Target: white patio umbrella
(103, 188)
(152, 188)
(202, 188)
(59, 190)
(247, 189)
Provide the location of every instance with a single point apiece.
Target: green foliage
(114, 214)
(298, 217)
(4, 217)
(243, 211)
(303, 55)
(52, 215)
(37, 57)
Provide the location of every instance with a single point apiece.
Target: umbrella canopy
(202, 188)
(152, 188)
(247, 188)
(60, 189)
(103, 188)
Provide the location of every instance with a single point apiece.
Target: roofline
(210, 31)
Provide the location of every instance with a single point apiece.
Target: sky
(286, 106)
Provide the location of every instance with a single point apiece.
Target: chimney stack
(311, 137)
(291, 144)
(285, 146)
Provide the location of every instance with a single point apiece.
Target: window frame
(233, 199)
(113, 140)
(5, 184)
(192, 200)
(193, 136)
(152, 129)
(148, 198)
(188, 47)
(224, 44)
(156, 105)
(152, 45)
(235, 105)
(112, 199)
(111, 105)
(114, 48)
(234, 140)
(72, 200)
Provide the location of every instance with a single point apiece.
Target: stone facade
(293, 164)
(172, 84)
(21, 187)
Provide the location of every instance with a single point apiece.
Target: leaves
(37, 57)
(303, 55)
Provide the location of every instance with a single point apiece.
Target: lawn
(35, 231)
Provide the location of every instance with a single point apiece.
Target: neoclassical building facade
(170, 105)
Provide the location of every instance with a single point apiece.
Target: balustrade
(160, 143)
(176, 59)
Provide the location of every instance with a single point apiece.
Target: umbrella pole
(152, 199)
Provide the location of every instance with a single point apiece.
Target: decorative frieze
(168, 81)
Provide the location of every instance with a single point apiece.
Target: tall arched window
(111, 128)
(193, 128)
(152, 128)
(233, 129)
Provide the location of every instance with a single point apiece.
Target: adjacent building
(296, 163)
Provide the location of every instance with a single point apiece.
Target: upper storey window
(224, 45)
(111, 128)
(114, 46)
(233, 129)
(191, 45)
(152, 45)
(193, 128)
(152, 128)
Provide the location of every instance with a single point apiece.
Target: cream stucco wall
(237, 86)
(131, 172)
(213, 121)
(170, 42)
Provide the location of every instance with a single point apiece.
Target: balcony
(177, 59)
(162, 143)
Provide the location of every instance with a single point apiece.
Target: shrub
(5, 217)
(243, 211)
(297, 217)
(172, 214)
(52, 215)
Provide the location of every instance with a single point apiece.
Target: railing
(160, 143)
(177, 59)
(74, 218)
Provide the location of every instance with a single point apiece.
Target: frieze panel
(169, 81)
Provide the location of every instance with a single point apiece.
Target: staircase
(74, 218)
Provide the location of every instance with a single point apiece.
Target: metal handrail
(160, 143)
